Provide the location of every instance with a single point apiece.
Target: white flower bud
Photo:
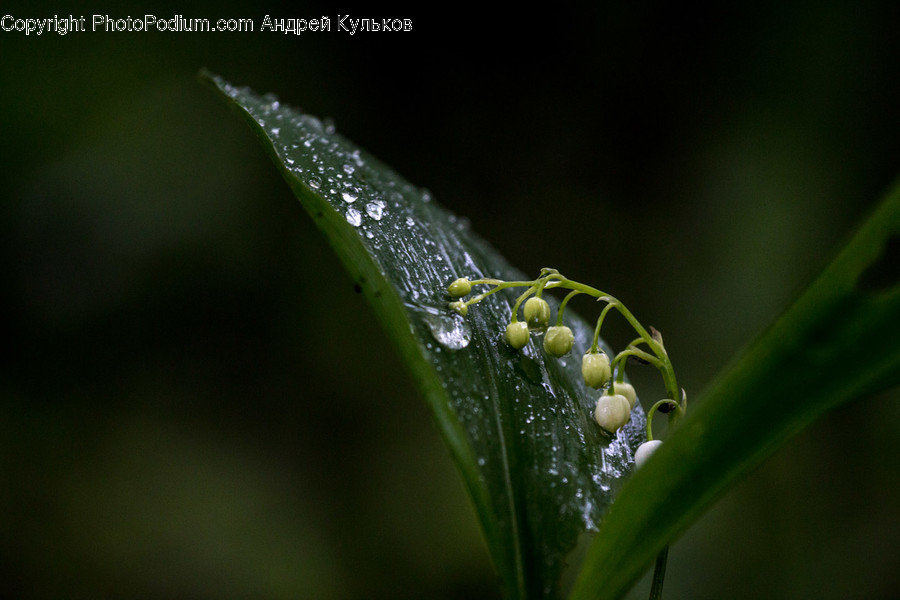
(558, 341)
(612, 412)
(517, 334)
(459, 288)
(627, 390)
(537, 313)
(645, 450)
(595, 369)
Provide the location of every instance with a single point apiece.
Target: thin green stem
(600, 319)
(544, 280)
(618, 370)
(502, 285)
(636, 342)
(645, 356)
(562, 306)
(659, 574)
(654, 408)
(565, 282)
(519, 301)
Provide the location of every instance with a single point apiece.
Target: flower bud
(517, 334)
(595, 369)
(612, 412)
(537, 313)
(459, 288)
(459, 307)
(645, 450)
(627, 390)
(558, 340)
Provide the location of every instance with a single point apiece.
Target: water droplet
(348, 169)
(315, 183)
(329, 126)
(410, 222)
(354, 217)
(374, 210)
(449, 330)
(349, 196)
(276, 130)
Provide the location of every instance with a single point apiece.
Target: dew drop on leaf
(354, 217)
(450, 331)
(375, 209)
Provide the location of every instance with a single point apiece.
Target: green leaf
(519, 426)
(837, 343)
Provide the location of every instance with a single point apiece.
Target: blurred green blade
(837, 343)
(519, 427)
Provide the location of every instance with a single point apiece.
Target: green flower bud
(645, 450)
(595, 369)
(612, 412)
(558, 341)
(459, 307)
(537, 313)
(627, 390)
(517, 334)
(459, 288)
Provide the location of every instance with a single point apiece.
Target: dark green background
(195, 403)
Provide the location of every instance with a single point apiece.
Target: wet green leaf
(518, 424)
(837, 343)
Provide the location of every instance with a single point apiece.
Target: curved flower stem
(644, 356)
(519, 301)
(645, 337)
(656, 407)
(562, 306)
(550, 279)
(636, 342)
(499, 285)
(596, 342)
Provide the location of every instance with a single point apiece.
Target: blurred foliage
(177, 414)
